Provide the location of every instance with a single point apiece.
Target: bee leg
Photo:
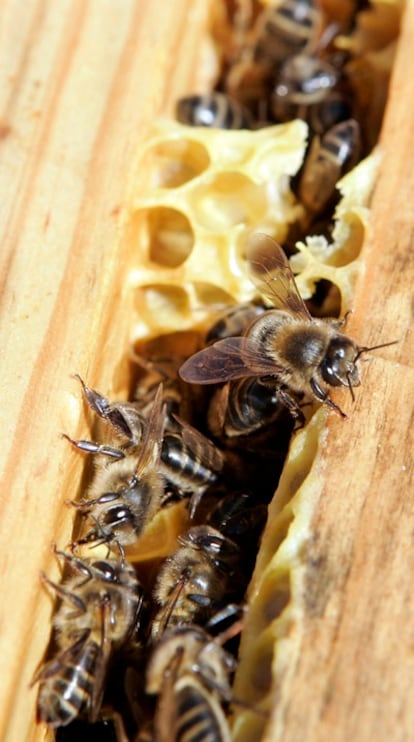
(229, 611)
(64, 594)
(292, 406)
(75, 563)
(323, 396)
(87, 504)
(95, 448)
(99, 404)
(111, 413)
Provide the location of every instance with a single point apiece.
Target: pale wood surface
(80, 83)
(352, 670)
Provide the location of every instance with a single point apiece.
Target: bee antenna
(348, 378)
(367, 348)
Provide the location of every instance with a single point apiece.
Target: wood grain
(352, 662)
(80, 86)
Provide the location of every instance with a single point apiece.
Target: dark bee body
(213, 110)
(190, 462)
(328, 159)
(194, 579)
(289, 28)
(303, 81)
(98, 611)
(242, 407)
(300, 353)
(333, 109)
(190, 674)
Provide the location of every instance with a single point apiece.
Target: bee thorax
(302, 349)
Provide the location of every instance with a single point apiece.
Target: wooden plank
(351, 661)
(80, 86)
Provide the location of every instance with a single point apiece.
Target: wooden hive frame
(81, 84)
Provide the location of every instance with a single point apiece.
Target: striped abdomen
(68, 684)
(198, 715)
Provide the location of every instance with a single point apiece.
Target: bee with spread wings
(285, 345)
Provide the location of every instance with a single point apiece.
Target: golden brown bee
(126, 492)
(290, 27)
(190, 673)
(329, 157)
(303, 81)
(287, 344)
(194, 579)
(213, 109)
(98, 610)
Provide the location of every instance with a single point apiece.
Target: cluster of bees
(290, 62)
(269, 364)
(144, 653)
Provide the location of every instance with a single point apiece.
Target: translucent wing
(201, 446)
(271, 273)
(151, 446)
(231, 358)
(102, 660)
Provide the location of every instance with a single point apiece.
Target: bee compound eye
(334, 367)
(106, 569)
(118, 515)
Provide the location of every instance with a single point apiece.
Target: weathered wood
(80, 86)
(351, 668)
(81, 83)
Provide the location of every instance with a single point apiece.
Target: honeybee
(242, 407)
(190, 672)
(214, 110)
(190, 462)
(126, 492)
(303, 81)
(194, 578)
(236, 515)
(329, 157)
(286, 29)
(287, 344)
(98, 611)
(333, 109)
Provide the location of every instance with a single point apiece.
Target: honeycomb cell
(172, 163)
(228, 199)
(169, 235)
(163, 306)
(354, 231)
(326, 300)
(261, 670)
(212, 296)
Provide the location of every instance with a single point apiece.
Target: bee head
(338, 367)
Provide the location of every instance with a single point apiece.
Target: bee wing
(105, 648)
(200, 445)
(231, 358)
(151, 445)
(271, 273)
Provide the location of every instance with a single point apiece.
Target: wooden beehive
(81, 86)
